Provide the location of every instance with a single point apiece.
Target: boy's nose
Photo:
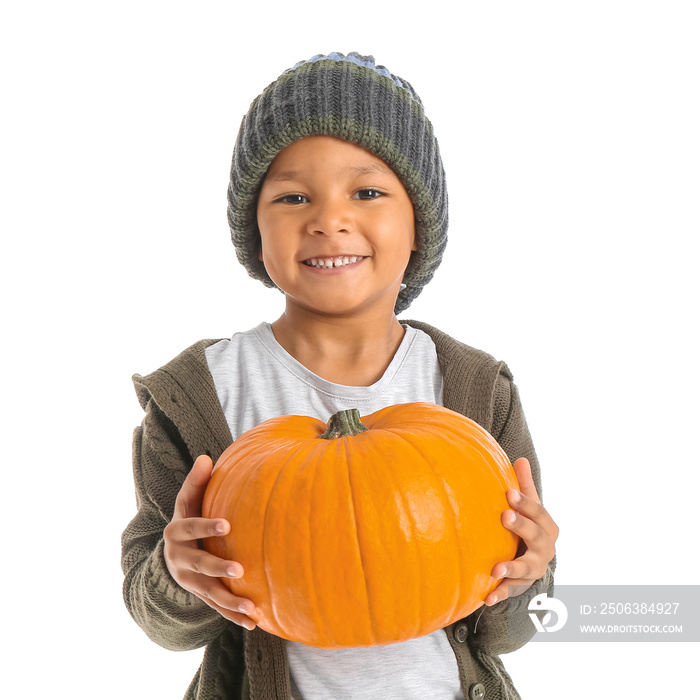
(329, 217)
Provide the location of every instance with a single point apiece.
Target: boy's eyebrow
(357, 170)
(371, 169)
(283, 175)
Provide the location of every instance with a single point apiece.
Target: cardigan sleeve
(170, 616)
(506, 626)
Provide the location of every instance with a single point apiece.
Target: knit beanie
(352, 98)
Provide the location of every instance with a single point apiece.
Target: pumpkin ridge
(447, 503)
(265, 520)
(394, 480)
(482, 449)
(305, 455)
(316, 453)
(305, 560)
(421, 590)
(370, 616)
(215, 505)
(480, 444)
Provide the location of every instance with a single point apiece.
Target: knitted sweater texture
(183, 420)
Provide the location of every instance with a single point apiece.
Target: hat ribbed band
(354, 102)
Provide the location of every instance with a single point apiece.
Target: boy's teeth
(333, 262)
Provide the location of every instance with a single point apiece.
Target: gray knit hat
(352, 98)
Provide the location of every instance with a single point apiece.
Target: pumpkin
(364, 531)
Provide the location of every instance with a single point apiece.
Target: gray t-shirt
(257, 379)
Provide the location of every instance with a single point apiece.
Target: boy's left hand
(538, 532)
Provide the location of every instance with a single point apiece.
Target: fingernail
(220, 527)
(232, 572)
(502, 572)
(245, 609)
(510, 516)
(516, 495)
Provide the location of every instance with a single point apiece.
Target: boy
(337, 197)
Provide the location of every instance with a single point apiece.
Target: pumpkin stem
(344, 424)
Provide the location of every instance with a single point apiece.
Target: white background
(569, 132)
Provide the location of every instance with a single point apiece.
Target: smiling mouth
(339, 261)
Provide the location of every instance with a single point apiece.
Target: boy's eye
(293, 199)
(369, 193)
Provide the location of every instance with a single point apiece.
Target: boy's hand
(538, 532)
(194, 569)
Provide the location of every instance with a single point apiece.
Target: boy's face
(337, 227)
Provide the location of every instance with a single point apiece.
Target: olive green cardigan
(183, 420)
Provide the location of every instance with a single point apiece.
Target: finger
(237, 618)
(532, 510)
(525, 528)
(213, 592)
(201, 562)
(188, 529)
(529, 507)
(189, 500)
(523, 569)
(530, 567)
(507, 589)
(536, 549)
(240, 620)
(537, 540)
(523, 471)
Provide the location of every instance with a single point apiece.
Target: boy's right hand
(194, 569)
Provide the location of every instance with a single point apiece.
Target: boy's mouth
(338, 261)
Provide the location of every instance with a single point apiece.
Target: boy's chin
(328, 306)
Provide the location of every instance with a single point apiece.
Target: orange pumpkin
(357, 535)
